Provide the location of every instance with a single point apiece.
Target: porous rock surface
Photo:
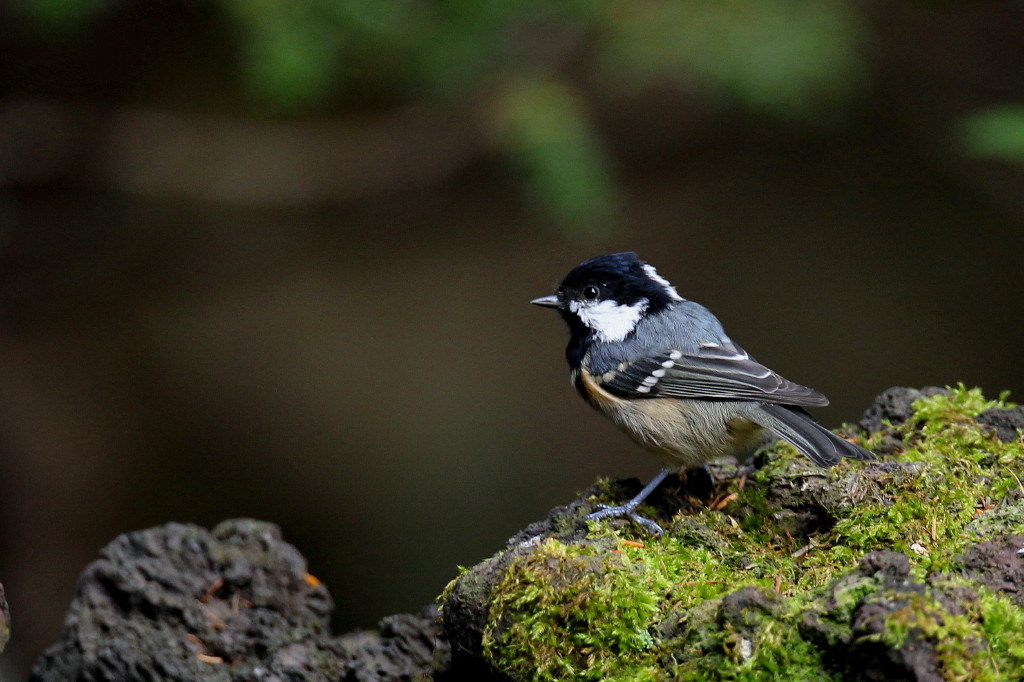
(180, 602)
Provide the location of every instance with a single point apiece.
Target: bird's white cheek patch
(609, 320)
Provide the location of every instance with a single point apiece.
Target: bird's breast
(684, 432)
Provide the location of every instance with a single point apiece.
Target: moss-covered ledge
(909, 567)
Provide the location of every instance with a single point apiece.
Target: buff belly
(683, 432)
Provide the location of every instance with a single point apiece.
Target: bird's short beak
(547, 302)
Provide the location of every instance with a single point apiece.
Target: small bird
(664, 371)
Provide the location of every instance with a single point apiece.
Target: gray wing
(720, 370)
(821, 446)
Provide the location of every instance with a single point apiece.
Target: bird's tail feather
(795, 426)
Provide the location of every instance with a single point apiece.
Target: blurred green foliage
(543, 125)
(996, 133)
(789, 57)
(61, 13)
(534, 64)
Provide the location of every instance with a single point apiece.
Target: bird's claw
(629, 511)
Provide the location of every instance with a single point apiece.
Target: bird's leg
(629, 509)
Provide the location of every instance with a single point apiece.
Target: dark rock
(802, 495)
(916, 657)
(744, 609)
(893, 405)
(891, 568)
(1006, 423)
(686, 491)
(179, 602)
(736, 622)
(890, 445)
(465, 608)
(998, 564)
(5, 620)
(190, 604)
(404, 647)
(464, 612)
(829, 624)
(566, 521)
(850, 622)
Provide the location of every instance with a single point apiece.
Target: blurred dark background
(273, 259)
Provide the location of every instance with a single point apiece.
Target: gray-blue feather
(820, 445)
(685, 353)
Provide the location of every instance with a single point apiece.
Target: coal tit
(664, 371)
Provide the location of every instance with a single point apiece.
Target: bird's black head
(607, 296)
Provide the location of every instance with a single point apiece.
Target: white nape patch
(669, 289)
(609, 320)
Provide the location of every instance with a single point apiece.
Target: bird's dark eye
(591, 292)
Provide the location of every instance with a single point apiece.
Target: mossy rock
(909, 567)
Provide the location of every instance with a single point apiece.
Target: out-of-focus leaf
(290, 49)
(996, 134)
(784, 56)
(543, 125)
(61, 14)
(298, 51)
(468, 40)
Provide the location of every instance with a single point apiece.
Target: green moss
(717, 642)
(1007, 518)
(955, 472)
(983, 644)
(958, 407)
(606, 609)
(1001, 622)
(573, 612)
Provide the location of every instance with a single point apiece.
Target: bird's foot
(629, 511)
